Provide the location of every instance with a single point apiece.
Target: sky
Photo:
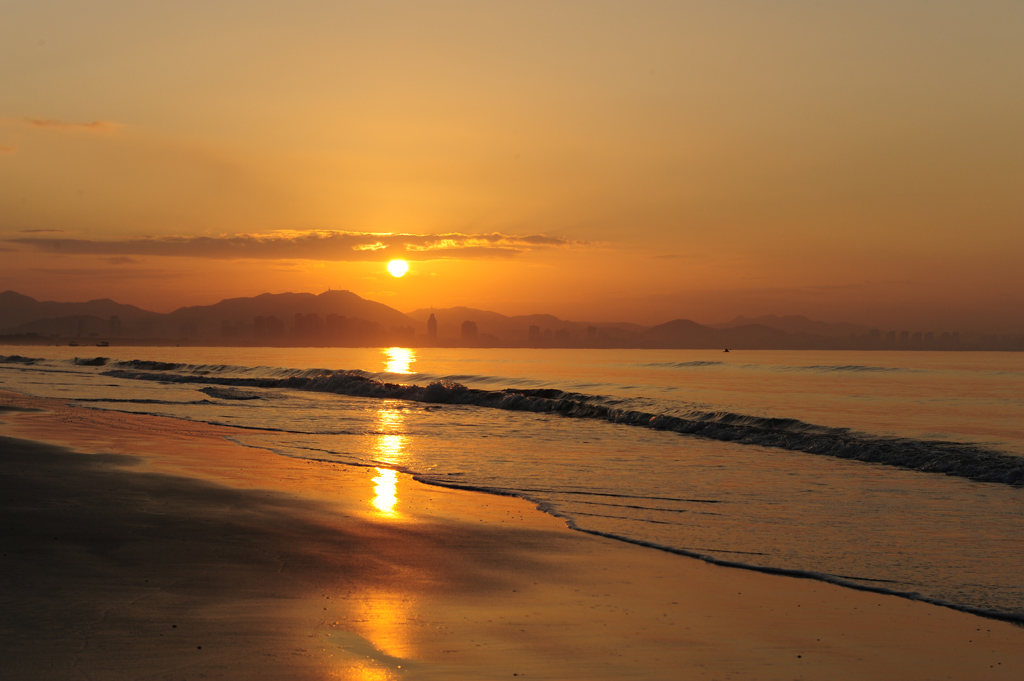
(603, 161)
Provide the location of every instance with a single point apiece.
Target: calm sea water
(899, 471)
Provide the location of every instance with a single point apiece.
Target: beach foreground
(145, 547)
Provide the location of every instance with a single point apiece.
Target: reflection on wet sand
(385, 492)
(389, 449)
(382, 617)
(375, 640)
(367, 671)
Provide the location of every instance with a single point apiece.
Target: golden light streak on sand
(388, 448)
(474, 587)
(365, 671)
(368, 673)
(383, 618)
(386, 492)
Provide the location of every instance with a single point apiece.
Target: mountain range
(342, 318)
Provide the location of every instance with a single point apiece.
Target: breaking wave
(230, 393)
(683, 365)
(856, 368)
(969, 461)
(811, 368)
(18, 359)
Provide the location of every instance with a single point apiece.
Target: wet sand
(143, 547)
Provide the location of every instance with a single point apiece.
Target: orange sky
(637, 161)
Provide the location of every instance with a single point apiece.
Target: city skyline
(343, 319)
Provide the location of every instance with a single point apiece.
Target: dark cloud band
(335, 246)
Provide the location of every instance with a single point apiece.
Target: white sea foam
(679, 451)
(951, 458)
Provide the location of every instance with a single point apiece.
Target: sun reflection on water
(399, 360)
(389, 449)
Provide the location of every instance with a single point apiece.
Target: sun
(397, 268)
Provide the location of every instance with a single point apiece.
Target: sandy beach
(138, 547)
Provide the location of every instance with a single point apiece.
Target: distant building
(432, 327)
(335, 324)
(275, 326)
(230, 329)
(402, 335)
(308, 324)
(470, 334)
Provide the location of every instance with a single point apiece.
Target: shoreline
(260, 555)
(1009, 343)
(1016, 619)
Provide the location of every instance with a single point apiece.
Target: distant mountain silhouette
(17, 309)
(798, 324)
(286, 305)
(330, 318)
(342, 318)
(449, 322)
(681, 333)
(515, 330)
(333, 316)
(760, 337)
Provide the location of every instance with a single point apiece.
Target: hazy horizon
(639, 162)
(896, 327)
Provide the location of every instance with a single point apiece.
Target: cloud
(7, 150)
(120, 260)
(42, 231)
(92, 126)
(311, 245)
(107, 274)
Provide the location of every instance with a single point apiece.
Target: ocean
(898, 472)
